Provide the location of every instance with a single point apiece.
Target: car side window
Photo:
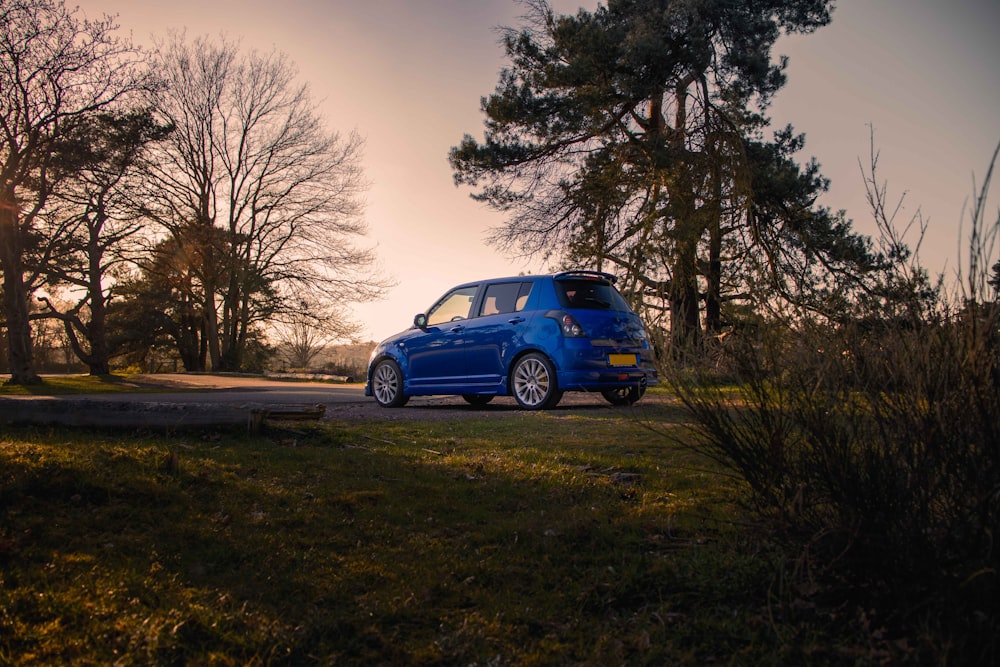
(454, 305)
(505, 298)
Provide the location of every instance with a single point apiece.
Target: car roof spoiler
(586, 275)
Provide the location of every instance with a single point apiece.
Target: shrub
(870, 447)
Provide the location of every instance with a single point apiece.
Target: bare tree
(56, 71)
(301, 344)
(307, 332)
(251, 158)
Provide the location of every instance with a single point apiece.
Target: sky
(408, 76)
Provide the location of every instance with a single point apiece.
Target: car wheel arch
(534, 382)
(520, 355)
(387, 381)
(378, 360)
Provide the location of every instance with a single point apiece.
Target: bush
(871, 448)
(877, 459)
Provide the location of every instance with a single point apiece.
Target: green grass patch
(55, 385)
(531, 539)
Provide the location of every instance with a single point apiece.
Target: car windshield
(589, 293)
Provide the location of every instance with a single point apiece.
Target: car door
(496, 332)
(437, 356)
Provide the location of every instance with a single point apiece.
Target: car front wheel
(387, 385)
(533, 380)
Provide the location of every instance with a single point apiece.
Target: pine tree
(631, 139)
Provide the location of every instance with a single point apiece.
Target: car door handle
(458, 329)
(515, 320)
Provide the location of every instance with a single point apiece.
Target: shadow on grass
(550, 540)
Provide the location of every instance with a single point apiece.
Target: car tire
(533, 383)
(623, 395)
(387, 385)
(477, 400)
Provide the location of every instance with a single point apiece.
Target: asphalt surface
(182, 388)
(217, 393)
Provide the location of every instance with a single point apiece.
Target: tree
(631, 138)
(102, 209)
(309, 331)
(56, 71)
(251, 160)
(166, 298)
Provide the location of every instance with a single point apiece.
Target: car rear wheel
(534, 383)
(387, 385)
(623, 395)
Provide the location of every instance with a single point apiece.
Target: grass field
(61, 385)
(536, 539)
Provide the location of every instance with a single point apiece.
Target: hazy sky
(408, 76)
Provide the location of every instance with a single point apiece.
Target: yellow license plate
(621, 359)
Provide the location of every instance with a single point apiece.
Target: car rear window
(589, 293)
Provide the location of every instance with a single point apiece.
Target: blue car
(532, 337)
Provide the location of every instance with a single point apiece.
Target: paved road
(237, 389)
(179, 399)
(215, 393)
(195, 388)
(234, 390)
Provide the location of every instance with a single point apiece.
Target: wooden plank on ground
(126, 414)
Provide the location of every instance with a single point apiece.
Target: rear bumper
(581, 366)
(616, 378)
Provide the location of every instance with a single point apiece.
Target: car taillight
(567, 324)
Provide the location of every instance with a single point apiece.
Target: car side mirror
(420, 321)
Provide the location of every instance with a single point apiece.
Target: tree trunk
(100, 356)
(203, 352)
(713, 273)
(229, 359)
(188, 339)
(684, 306)
(713, 299)
(684, 303)
(15, 298)
(98, 365)
(99, 361)
(210, 335)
